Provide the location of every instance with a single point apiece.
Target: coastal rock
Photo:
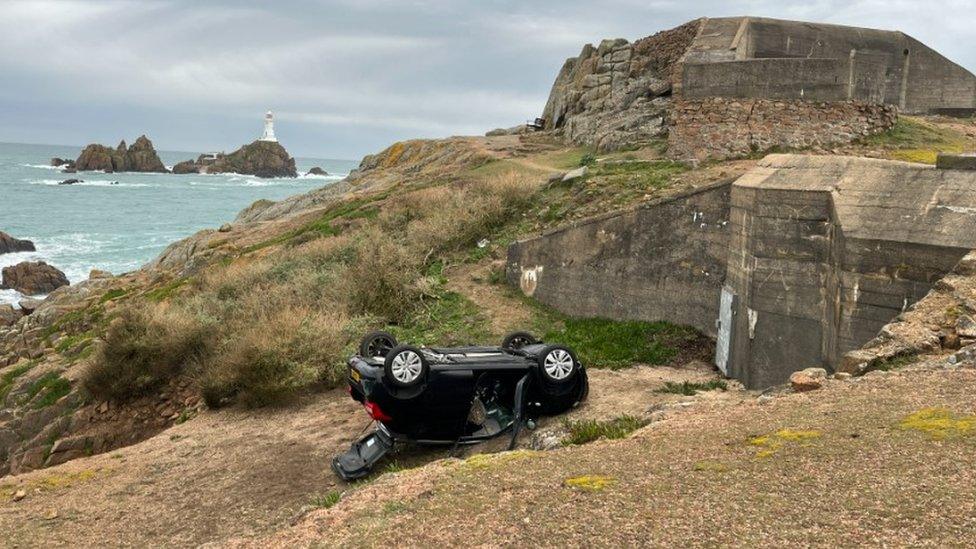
(317, 171)
(98, 273)
(141, 157)
(29, 305)
(66, 162)
(187, 166)
(33, 278)
(71, 181)
(9, 315)
(9, 244)
(260, 158)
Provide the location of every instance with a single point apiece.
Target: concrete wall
(770, 59)
(825, 251)
(816, 79)
(662, 261)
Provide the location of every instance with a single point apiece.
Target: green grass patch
(691, 388)
(639, 174)
(915, 140)
(323, 226)
(447, 318)
(165, 292)
(327, 500)
(113, 295)
(588, 430)
(604, 343)
(50, 387)
(8, 378)
(74, 344)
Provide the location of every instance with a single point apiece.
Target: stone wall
(718, 127)
(662, 261)
(616, 93)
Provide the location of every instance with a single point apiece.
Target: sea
(118, 222)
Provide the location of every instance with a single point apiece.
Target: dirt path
(852, 464)
(229, 473)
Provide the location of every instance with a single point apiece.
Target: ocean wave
(43, 166)
(330, 177)
(88, 183)
(10, 297)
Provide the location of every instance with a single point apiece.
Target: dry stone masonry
(719, 127)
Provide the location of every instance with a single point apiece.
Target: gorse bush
(270, 362)
(143, 348)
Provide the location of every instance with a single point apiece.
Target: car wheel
(405, 366)
(376, 344)
(517, 340)
(557, 364)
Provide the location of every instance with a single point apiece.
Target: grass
(112, 295)
(167, 291)
(691, 388)
(915, 140)
(604, 343)
(8, 378)
(50, 387)
(588, 430)
(327, 500)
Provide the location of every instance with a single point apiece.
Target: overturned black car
(455, 395)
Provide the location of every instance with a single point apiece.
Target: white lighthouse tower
(269, 128)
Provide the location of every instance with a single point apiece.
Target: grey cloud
(346, 77)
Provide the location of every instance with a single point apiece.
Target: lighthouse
(269, 128)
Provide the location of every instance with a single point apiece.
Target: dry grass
(143, 348)
(262, 329)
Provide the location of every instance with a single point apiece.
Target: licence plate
(353, 373)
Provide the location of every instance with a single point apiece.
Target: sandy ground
(229, 474)
(834, 467)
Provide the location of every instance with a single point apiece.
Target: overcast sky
(344, 77)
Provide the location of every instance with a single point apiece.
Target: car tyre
(376, 344)
(558, 365)
(405, 367)
(516, 340)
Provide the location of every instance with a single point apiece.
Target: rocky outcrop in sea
(140, 157)
(32, 278)
(9, 244)
(260, 158)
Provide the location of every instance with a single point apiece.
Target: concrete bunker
(798, 261)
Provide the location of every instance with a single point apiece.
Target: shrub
(273, 360)
(382, 280)
(144, 348)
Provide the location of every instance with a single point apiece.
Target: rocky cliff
(260, 158)
(140, 157)
(617, 94)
